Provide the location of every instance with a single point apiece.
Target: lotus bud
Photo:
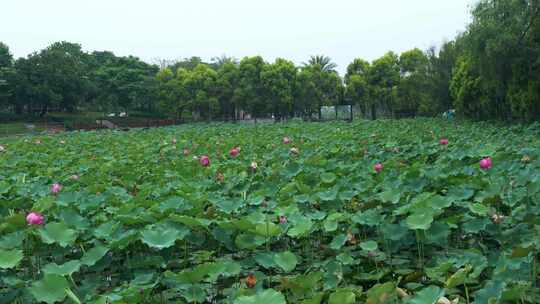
(35, 218)
(486, 163)
(234, 152)
(205, 161)
(55, 188)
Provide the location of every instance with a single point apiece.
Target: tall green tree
(279, 80)
(53, 78)
(413, 90)
(356, 81)
(249, 95)
(201, 89)
(383, 81)
(228, 77)
(6, 75)
(440, 68)
(328, 86)
(324, 62)
(127, 83)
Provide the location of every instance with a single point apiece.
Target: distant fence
(341, 112)
(124, 123)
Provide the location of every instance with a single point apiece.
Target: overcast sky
(293, 29)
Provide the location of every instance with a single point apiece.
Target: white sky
(293, 29)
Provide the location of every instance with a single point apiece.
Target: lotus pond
(408, 211)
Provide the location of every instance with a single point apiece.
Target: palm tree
(221, 60)
(324, 62)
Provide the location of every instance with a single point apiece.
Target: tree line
(489, 71)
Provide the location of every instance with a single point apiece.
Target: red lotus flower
(205, 161)
(251, 281)
(234, 152)
(378, 167)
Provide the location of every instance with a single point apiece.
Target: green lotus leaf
(458, 278)
(10, 258)
(66, 198)
(338, 241)
(316, 299)
(93, 255)
(371, 217)
(286, 260)
(369, 246)
(331, 222)
(300, 228)
(266, 260)
(391, 196)
(428, 295)
(329, 195)
(160, 236)
(491, 293)
(58, 233)
(382, 293)
(12, 240)
(50, 289)
(419, 221)
(479, 209)
(345, 258)
(65, 269)
(267, 229)
(328, 177)
(194, 294)
(249, 241)
(268, 296)
(342, 296)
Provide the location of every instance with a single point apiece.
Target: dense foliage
(490, 71)
(414, 211)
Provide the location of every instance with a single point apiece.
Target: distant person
(450, 114)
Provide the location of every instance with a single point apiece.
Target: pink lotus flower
(486, 163)
(378, 167)
(234, 152)
(205, 161)
(253, 165)
(55, 188)
(286, 140)
(443, 141)
(35, 218)
(282, 219)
